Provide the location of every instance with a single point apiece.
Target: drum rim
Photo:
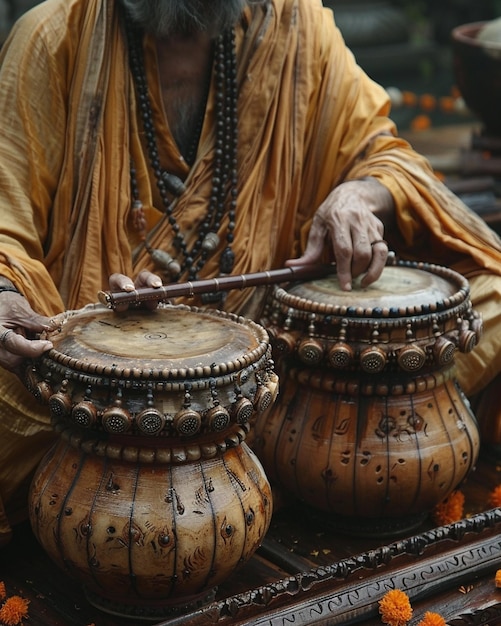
(299, 307)
(61, 362)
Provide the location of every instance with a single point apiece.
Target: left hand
(348, 221)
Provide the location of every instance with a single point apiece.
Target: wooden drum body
(151, 497)
(371, 425)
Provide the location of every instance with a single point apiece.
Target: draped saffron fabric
(309, 119)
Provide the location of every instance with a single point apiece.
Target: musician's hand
(19, 326)
(145, 279)
(348, 221)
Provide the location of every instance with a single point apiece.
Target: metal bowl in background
(477, 71)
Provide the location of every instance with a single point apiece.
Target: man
(157, 140)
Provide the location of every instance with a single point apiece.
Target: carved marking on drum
(111, 485)
(329, 476)
(194, 561)
(416, 422)
(202, 495)
(164, 538)
(93, 560)
(108, 323)
(433, 469)
(340, 428)
(250, 516)
(227, 530)
(236, 480)
(83, 529)
(171, 496)
(345, 457)
(386, 426)
(136, 534)
(389, 425)
(366, 457)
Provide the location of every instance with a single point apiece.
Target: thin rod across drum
(223, 283)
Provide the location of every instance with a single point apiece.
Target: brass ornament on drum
(151, 497)
(371, 424)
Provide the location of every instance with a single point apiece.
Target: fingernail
(129, 287)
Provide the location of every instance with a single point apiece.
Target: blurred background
(402, 44)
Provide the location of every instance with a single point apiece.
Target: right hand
(145, 279)
(19, 325)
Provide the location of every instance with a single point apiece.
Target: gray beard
(164, 18)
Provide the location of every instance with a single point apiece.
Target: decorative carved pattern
(345, 591)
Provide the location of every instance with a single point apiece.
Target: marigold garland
(432, 619)
(497, 579)
(449, 510)
(495, 497)
(395, 608)
(14, 610)
(421, 122)
(427, 103)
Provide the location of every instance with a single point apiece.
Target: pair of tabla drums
(151, 497)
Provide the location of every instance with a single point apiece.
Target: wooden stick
(210, 285)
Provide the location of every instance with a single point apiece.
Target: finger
(148, 279)
(306, 259)
(362, 257)
(16, 343)
(314, 246)
(17, 312)
(378, 262)
(120, 282)
(344, 258)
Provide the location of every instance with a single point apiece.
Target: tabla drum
(151, 497)
(371, 426)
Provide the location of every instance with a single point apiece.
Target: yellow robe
(309, 119)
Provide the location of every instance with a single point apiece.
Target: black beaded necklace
(223, 198)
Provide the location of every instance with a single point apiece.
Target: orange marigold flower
(420, 122)
(495, 497)
(395, 608)
(449, 510)
(432, 619)
(3, 593)
(447, 104)
(14, 610)
(497, 579)
(428, 102)
(409, 98)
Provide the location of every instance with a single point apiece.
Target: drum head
(397, 288)
(167, 341)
